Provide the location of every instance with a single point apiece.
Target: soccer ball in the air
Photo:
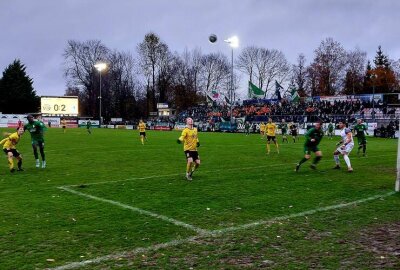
(212, 38)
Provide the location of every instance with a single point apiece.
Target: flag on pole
(294, 96)
(215, 94)
(278, 87)
(254, 91)
(227, 100)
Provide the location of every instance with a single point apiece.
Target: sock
(142, 140)
(317, 159)
(364, 148)
(42, 154)
(188, 166)
(35, 153)
(336, 158)
(193, 167)
(196, 165)
(19, 164)
(267, 147)
(10, 163)
(303, 160)
(346, 158)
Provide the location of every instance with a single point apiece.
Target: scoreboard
(67, 105)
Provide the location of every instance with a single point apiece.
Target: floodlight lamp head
(100, 66)
(233, 41)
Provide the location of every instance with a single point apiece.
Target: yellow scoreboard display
(59, 105)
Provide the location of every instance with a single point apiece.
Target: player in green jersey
(284, 130)
(331, 130)
(361, 130)
(36, 129)
(313, 138)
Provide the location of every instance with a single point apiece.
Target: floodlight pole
(234, 43)
(100, 67)
(231, 95)
(100, 100)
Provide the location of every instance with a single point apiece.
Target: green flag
(294, 95)
(254, 91)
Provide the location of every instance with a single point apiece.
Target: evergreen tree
(381, 60)
(367, 85)
(16, 90)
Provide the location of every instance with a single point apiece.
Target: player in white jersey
(346, 144)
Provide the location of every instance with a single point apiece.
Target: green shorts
(309, 149)
(39, 142)
(362, 140)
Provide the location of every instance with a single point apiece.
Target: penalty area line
(138, 210)
(215, 233)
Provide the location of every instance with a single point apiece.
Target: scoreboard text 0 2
(59, 105)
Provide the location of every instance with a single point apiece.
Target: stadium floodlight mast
(397, 185)
(234, 43)
(100, 67)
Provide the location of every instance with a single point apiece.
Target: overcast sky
(37, 31)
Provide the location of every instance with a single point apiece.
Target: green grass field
(107, 202)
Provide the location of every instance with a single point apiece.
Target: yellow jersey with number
(271, 129)
(11, 141)
(189, 139)
(142, 127)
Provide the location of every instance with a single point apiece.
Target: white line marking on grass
(301, 214)
(138, 210)
(214, 233)
(125, 254)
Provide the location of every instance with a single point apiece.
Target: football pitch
(107, 202)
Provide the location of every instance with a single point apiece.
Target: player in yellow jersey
(9, 148)
(262, 130)
(190, 144)
(270, 130)
(142, 131)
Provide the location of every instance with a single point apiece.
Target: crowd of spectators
(387, 132)
(297, 112)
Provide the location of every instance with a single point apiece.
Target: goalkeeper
(190, 144)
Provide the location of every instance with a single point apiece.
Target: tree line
(133, 83)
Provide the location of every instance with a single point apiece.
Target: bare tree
(215, 68)
(124, 88)
(151, 50)
(271, 65)
(299, 72)
(356, 62)
(80, 58)
(246, 61)
(311, 80)
(330, 62)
